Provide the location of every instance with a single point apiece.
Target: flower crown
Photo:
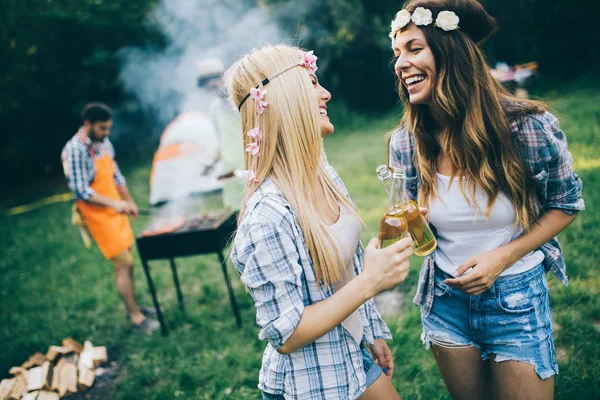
(308, 60)
(446, 20)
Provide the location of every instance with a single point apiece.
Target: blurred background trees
(56, 55)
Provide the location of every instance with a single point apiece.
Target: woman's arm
(488, 266)
(320, 318)
(265, 253)
(563, 187)
(384, 269)
(551, 224)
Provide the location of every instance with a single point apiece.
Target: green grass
(52, 287)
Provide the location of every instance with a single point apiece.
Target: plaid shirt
(543, 148)
(270, 254)
(79, 166)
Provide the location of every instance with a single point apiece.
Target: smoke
(165, 82)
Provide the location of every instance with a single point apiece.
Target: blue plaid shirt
(543, 148)
(270, 254)
(79, 167)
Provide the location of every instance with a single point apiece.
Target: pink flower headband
(308, 60)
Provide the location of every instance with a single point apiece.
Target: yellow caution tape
(57, 198)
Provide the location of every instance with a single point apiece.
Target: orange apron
(111, 230)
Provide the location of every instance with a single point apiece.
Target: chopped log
(19, 388)
(48, 396)
(17, 370)
(31, 396)
(71, 358)
(67, 380)
(86, 379)
(6, 387)
(34, 361)
(69, 345)
(56, 374)
(86, 358)
(53, 353)
(37, 378)
(55, 385)
(50, 377)
(100, 356)
(61, 362)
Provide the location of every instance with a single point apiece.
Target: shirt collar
(86, 139)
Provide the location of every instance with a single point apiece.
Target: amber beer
(393, 225)
(392, 228)
(423, 238)
(424, 241)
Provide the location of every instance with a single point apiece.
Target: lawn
(52, 287)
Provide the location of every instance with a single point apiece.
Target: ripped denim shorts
(512, 320)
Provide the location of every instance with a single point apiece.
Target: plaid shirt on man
(79, 167)
(543, 148)
(270, 253)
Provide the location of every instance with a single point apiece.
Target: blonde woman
(497, 177)
(298, 248)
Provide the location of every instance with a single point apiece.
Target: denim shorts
(512, 320)
(372, 371)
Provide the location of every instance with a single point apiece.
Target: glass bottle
(424, 240)
(393, 225)
(384, 174)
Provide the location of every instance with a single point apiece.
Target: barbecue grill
(172, 237)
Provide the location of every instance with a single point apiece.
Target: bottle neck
(397, 192)
(384, 175)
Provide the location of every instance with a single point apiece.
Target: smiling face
(323, 96)
(415, 64)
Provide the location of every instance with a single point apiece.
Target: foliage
(58, 55)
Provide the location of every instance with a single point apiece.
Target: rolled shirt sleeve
(77, 171)
(268, 262)
(564, 188)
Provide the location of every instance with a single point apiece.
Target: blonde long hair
(477, 111)
(291, 152)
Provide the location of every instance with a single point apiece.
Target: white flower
(447, 20)
(422, 16)
(402, 19)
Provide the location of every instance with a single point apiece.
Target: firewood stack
(63, 371)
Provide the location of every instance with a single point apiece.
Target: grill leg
(230, 290)
(163, 327)
(176, 280)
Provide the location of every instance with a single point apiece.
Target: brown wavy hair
(476, 134)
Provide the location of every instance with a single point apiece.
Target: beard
(96, 137)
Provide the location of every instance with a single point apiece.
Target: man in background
(228, 123)
(197, 148)
(104, 203)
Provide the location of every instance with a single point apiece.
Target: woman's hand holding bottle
(385, 268)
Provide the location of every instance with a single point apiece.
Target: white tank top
(346, 231)
(462, 233)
